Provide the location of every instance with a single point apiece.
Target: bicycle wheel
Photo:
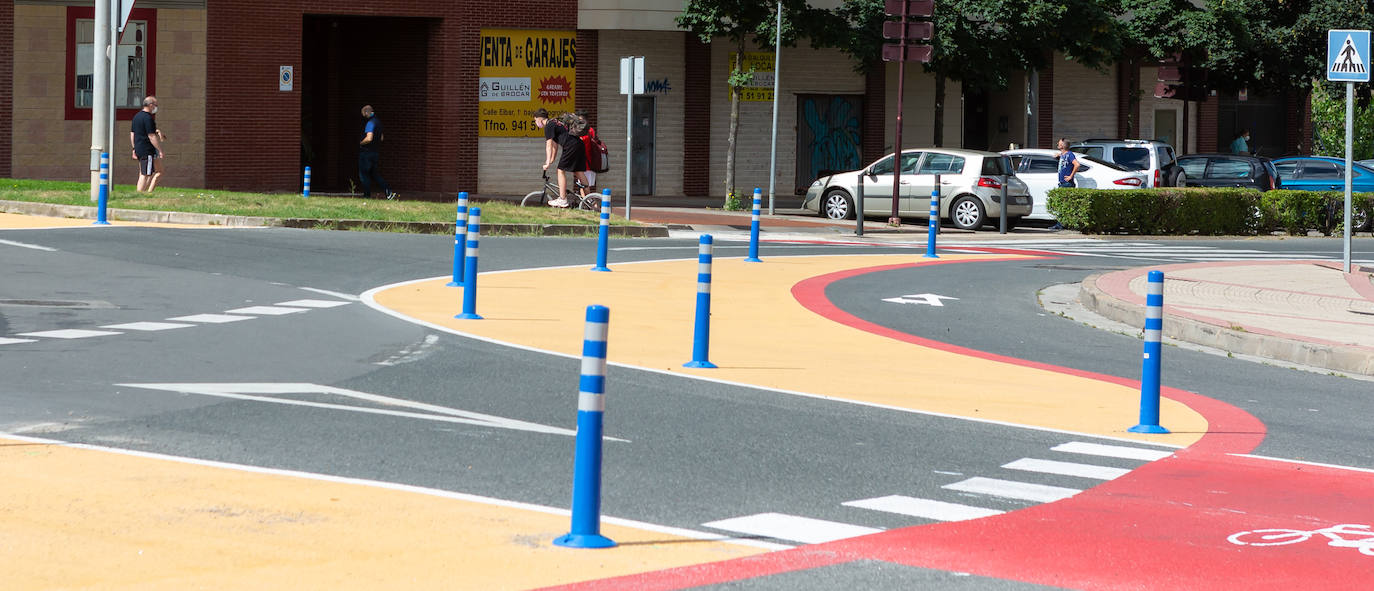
(1269, 537)
(535, 199)
(590, 203)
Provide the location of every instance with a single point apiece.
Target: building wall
(1149, 104)
(1085, 104)
(918, 112)
(1011, 104)
(665, 78)
(6, 81)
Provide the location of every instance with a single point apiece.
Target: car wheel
(966, 213)
(1359, 218)
(837, 205)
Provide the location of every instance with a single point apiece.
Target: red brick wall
(6, 87)
(875, 114)
(696, 148)
(420, 72)
(1127, 97)
(1044, 113)
(1207, 126)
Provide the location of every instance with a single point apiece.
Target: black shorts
(573, 159)
(146, 165)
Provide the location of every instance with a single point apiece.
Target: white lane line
(1067, 468)
(342, 296)
(923, 508)
(791, 527)
(1012, 489)
(5, 341)
(212, 318)
(70, 333)
(27, 245)
(313, 303)
(265, 310)
(406, 488)
(1112, 451)
(148, 326)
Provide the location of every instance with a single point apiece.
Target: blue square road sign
(1347, 55)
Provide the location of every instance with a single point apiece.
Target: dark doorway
(348, 62)
(1264, 116)
(829, 136)
(642, 145)
(976, 121)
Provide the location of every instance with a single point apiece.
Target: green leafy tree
(1328, 122)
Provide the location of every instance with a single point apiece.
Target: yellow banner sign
(521, 72)
(760, 89)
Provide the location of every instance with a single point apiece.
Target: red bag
(598, 157)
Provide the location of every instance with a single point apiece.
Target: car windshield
(1132, 158)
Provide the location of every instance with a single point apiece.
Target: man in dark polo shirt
(369, 154)
(147, 145)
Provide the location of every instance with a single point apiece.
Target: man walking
(369, 155)
(147, 145)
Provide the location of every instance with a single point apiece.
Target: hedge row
(1205, 211)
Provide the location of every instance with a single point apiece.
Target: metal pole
(1002, 214)
(629, 139)
(859, 205)
(894, 219)
(777, 92)
(1349, 154)
(114, 77)
(100, 89)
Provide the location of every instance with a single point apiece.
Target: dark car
(1228, 170)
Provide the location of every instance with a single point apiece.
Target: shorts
(146, 165)
(573, 160)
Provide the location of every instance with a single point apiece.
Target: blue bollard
(1150, 368)
(470, 267)
(754, 229)
(701, 340)
(306, 192)
(934, 222)
(603, 235)
(591, 405)
(103, 195)
(460, 233)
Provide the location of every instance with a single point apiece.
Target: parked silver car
(970, 188)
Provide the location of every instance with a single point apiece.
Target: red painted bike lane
(1165, 525)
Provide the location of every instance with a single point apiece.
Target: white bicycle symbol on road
(1343, 535)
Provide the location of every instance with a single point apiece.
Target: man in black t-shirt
(573, 159)
(147, 145)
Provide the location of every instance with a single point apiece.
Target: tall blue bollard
(306, 193)
(754, 229)
(603, 235)
(103, 195)
(470, 267)
(934, 223)
(701, 338)
(591, 405)
(1150, 368)
(460, 233)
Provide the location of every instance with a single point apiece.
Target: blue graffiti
(835, 135)
(654, 86)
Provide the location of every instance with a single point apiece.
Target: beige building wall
(804, 71)
(1084, 101)
(1151, 109)
(1011, 104)
(664, 75)
(46, 146)
(918, 114)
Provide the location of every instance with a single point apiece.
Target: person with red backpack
(598, 160)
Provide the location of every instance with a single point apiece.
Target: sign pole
(777, 92)
(629, 139)
(895, 220)
(1347, 60)
(1349, 155)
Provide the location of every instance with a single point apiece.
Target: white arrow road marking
(263, 392)
(928, 299)
(27, 245)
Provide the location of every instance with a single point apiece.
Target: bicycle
(591, 202)
(1342, 535)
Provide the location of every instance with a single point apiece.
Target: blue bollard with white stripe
(701, 339)
(754, 229)
(460, 234)
(470, 266)
(934, 222)
(1150, 368)
(603, 234)
(103, 196)
(306, 193)
(591, 406)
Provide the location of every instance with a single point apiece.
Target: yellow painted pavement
(14, 221)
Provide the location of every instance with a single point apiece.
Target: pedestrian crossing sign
(1347, 56)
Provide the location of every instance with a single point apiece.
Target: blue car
(1323, 173)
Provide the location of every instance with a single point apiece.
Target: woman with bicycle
(573, 159)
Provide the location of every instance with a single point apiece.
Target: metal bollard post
(933, 224)
(603, 234)
(701, 338)
(460, 234)
(103, 197)
(591, 405)
(1150, 367)
(306, 192)
(859, 206)
(470, 267)
(754, 229)
(1002, 213)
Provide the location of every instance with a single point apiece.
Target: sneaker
(392, 195)
(558, 203)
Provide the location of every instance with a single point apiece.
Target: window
(1094, 151)
(936, 163)
(1042, 165)
(1286, 169)
(1193, 167)
(1133, 158)
(909, 160)
(1164, 154)
(994, 166)
(1316, 169)
(883, 166)
(134, 63)
(1228, 168)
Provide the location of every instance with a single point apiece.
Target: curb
(1339, 358)
(240, 221)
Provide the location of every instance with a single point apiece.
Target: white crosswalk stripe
(148, 326)
(70, 333)
(1011, 489)
(235, 315)
(923, 508)
(1113, 451)
(791, 527)
(1066, 468)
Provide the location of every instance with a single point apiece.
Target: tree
(737, 21)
